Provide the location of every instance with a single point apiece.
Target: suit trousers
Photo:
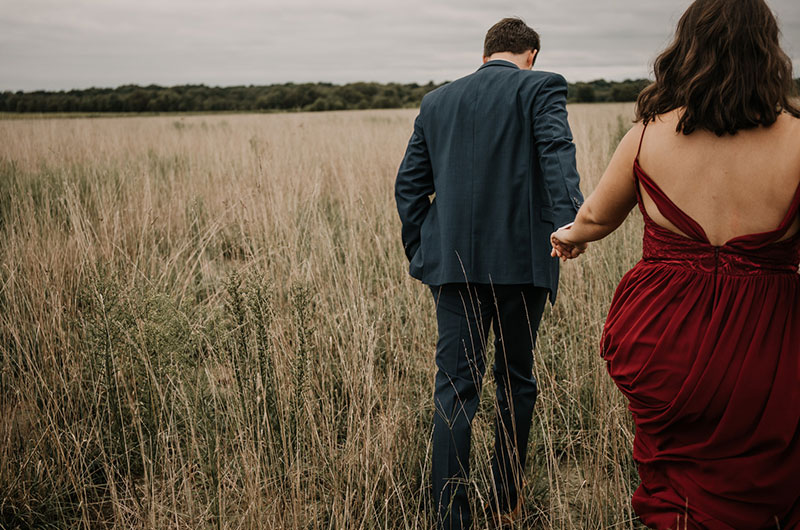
(464, 313)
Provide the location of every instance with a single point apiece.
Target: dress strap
(641, 139)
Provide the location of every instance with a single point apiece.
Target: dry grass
(206, 321)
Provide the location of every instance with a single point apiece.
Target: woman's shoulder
(656, 133)
(628, 147)
(782, 136)
(662, 125)
(788, 135)
(786, 126)
(788, 122)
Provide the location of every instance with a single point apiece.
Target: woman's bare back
(731, 185)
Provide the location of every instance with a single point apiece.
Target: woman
(703, 334)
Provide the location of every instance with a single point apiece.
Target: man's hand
(563, 246)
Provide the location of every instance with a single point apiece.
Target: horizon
(48, 46)
(321, 83)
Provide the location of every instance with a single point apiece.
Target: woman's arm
(607, 206)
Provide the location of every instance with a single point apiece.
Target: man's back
(496, 150)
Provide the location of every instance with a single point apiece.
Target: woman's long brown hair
(725, 70)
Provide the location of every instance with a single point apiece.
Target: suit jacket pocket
(546, 214)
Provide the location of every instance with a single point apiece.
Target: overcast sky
(63, 44)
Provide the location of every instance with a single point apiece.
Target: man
(496, 150)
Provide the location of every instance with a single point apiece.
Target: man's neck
(506, 60)
(519, 60)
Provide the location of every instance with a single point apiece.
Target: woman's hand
(563, 246)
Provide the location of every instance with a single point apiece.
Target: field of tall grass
(207, 322)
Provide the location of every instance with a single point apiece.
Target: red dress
(704, 342)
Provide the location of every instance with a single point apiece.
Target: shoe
(504, 520)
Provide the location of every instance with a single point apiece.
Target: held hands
(563, 247)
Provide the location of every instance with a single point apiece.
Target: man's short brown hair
(510, 35)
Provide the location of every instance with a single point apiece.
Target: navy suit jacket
(495, 151)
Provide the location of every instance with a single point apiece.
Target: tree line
(279, 97)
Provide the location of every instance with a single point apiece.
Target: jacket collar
(499, 62)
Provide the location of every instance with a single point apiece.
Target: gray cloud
(52, 44)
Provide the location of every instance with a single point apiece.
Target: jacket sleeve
(413, 187)
(556, 150)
